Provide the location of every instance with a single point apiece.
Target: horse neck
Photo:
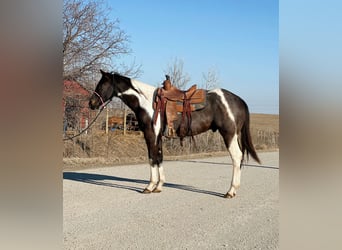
(144, 95)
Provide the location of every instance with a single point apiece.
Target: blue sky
(239, 39)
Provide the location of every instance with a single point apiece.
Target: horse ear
(104, 74)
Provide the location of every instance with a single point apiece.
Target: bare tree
(91, 40)
(175, 70)
(211, 79)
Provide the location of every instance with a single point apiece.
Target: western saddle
(172, 102)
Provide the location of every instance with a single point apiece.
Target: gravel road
(104, 207)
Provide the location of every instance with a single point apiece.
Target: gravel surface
(104, 207)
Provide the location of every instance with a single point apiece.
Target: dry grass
(265, 131)
(100, 149)
(265, 122)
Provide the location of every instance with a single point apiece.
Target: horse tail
(246, 140)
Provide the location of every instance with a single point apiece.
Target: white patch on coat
(224, 102)
(145, 100)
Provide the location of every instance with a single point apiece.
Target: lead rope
(103, 106)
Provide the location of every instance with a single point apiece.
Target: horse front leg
(157, 179)
(154, 179)
(161, 181)
(157, 176)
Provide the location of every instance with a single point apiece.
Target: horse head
(104, 91)
(110, 85)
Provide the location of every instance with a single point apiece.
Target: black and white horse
(224, 111)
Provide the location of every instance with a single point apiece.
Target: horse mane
(118, 75)
(136, 85)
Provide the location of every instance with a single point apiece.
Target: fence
(107, 137)
(116, 144)
(265, 138)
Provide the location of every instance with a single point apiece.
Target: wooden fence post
(124, 121)
(107, 121)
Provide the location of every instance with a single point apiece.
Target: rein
(102, 107)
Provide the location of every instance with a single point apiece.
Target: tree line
(93, 40)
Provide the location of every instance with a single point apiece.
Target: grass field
(265, 122)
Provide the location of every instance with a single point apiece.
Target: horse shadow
(230, 164)
(121, 182)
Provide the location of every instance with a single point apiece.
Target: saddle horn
(167, 83)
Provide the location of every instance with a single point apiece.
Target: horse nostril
(91, 104)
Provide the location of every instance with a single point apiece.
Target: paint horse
(223, 111)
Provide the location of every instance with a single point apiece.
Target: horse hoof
(229, 196)
(156, 190)
(146, 191)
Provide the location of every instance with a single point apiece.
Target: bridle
(102, 107)
(103, 104)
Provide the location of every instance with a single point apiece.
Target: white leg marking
(161, 179)
(224, 102)
(153, 177)
(236, 156)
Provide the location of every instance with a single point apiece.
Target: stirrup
(170, 132)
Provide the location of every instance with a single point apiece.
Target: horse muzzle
(94, 104)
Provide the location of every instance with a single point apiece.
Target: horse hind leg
(236, 155)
